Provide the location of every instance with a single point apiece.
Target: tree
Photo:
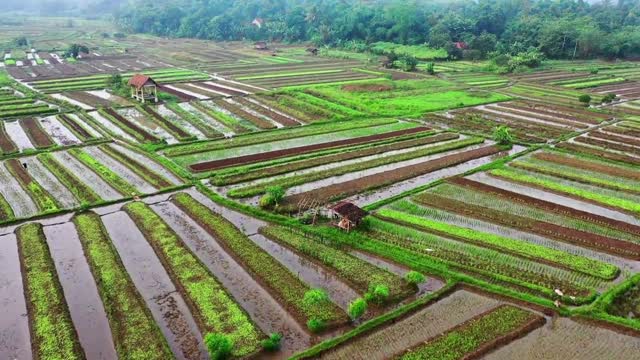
(75, 49)
(272, 197)
(20, 41)
(502, 135)
(357, 308)
(585, 99)
(218, 345)
(608, 98)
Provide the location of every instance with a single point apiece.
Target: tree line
(558, 29)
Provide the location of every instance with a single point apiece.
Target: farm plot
(50, 182)
(530, 122)
(629, 90)
(14, 105)
(548, 94)
(617, 143)
(402, 98)
(471, 318)
(97, 82)
(248, 149)
(304, 77)
(478, 80)
(88, 100)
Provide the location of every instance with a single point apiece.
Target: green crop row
(53, 334)
(474, 334)
(33, 110)
(276, 135)
(291, 181)
(593, 83)
(213, 306)
(110, 177)
(81, 191)
(312, 111)
(6, 212)
(331, 106)
(139, 169)
(284, 285)
(579, 175)
(135, 333)
(355, 270)
(41, 197)
(521, 177)
(484, 262)
(520, 248)
(288, 74)
(197, 122)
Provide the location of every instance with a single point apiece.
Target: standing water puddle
(50, 183)
(122, 171)
(17, 135)
(80, 291)
(11, 190)
(15, 340)
(154, 284)
(60, 134)
(261, 307)
(148, 163)
(87, 176)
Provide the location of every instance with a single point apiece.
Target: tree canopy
(558, 28)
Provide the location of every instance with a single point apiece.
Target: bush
(585, 99)
(357, 308)
(315, 297)
(502, 135)
(593, 70)
(431, 68)
(272, 343)
(377, 294)
(276, 193)
(218, 345)
(266, 201)
(414, 277)
(316, 325)
(608, 98)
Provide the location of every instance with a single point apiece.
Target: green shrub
(357, 308)
(431, 70)
(315, 297)
(502, 135)
(218, 345)
(276, 193)
(608, 98)
(272, 343)
(377, 293)
(316, 325)
(414, 277)
(266, 201)
(585, 99)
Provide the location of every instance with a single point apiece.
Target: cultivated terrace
(279, 201)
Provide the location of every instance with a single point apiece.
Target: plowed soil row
(271, 114)
(220, 89)
(546, 114)
(528, 127)
(550, 206)
(557, 232)
(599, 153)
(611, 137)
(248, 159)
(623, 131)
(607, 144)
(588, 165)
(237, 110)
(145, 135)
(180, 95)
(559, 125)
(356, 186)
(6, 144)
(322, 160)
(87, 98)
(76, 128)
(165, 123)
(38, 137)
(565, 110)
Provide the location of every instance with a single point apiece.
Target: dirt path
(152, 281)
(261, 307)
(78, 284)
(50, 183)
(15, 340)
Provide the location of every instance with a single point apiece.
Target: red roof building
(347, 214)
(143, 88)
(461, 45)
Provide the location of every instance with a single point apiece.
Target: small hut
(347, 215)
(143, 88)
(261, 45)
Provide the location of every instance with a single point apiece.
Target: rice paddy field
(144, 230)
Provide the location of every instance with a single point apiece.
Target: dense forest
(558, 28)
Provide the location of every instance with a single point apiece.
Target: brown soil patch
(39, 138)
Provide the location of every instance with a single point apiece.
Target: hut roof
(349, 211)
(139, 80)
